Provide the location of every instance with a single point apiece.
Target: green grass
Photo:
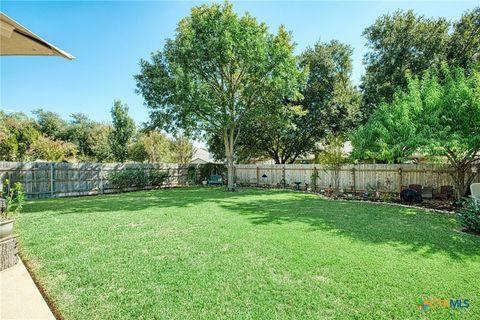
(255, 254)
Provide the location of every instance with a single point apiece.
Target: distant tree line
(48, 137)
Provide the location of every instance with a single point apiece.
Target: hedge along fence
(353, 178)
(49, 179)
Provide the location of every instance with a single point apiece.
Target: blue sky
(108, 38)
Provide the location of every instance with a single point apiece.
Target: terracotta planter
(6, 228)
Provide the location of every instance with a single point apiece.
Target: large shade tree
(219, 72)
(400, 42)
(275, 136)
(464, 46)
(438, 115)
(331, 105)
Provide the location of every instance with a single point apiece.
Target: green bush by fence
(137, 178)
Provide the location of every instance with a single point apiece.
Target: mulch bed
(434, 204)
(444, 205)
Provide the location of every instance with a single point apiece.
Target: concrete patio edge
(20, 297)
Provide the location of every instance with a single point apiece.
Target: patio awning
(16, 40)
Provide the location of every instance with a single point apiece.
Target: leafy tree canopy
(150, 146)
(219, 72)
(331, 105)
(47, 149)
(50, 123)
(438, 115)
(99, 148)
(406, 43)
(464, 46)
(182, 150)
(123, 131)
(18, 133)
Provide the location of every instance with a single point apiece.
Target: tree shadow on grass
(132, 201)
(420, 231)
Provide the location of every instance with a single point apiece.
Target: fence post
(400, 179)
(100, 174)
(284, 177)
(34, 184)
(354, 181)
(258, 176)
(25, 183)
(52, 191)
(234, 175)
(168, 177)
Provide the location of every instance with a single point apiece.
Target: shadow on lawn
(133, 201)
(421, 231)
(424, 232)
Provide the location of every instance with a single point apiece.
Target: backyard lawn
(203, 253)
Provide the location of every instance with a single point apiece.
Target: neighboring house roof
(347, 147)
(202, 155)
(346, 150)
(198, 161)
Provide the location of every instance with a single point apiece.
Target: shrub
(128, 178)
(469, 215)
(12, 198)
(158, 177)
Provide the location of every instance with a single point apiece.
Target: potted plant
(11, 202)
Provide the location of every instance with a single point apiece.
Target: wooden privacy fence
(49, 179)
(352, 178)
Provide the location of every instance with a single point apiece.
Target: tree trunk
(229, 151)
(462, 180)
(336, 181)
(231, 177)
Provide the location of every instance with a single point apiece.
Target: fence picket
(47, 179)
